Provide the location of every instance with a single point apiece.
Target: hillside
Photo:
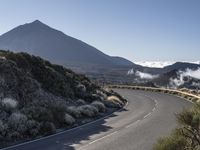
(181, 66)
(37, 98)
(178, 75)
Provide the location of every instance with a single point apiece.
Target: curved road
(147, 116)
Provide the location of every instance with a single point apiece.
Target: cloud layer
(160, 64)
(176, 82)
(142, 75)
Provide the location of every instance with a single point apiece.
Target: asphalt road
(147, 116)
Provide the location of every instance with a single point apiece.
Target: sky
(139, 30)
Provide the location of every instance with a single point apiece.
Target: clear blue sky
(135, 29)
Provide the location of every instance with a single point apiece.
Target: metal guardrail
(172, 91)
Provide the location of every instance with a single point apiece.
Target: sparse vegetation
(187, 135)
(88, 110)
(99, 105)
(113, 101)
(69, 119)
(37, 98)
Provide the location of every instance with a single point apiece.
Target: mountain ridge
(40, 39)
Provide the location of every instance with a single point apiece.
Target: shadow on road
(68, 139)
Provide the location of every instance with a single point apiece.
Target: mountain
(166, 69)
(179, 74)
(181, 66)
(40, 39)
(164, 79)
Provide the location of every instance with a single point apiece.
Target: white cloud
(160, 64)
(130, 72)
(181, 74)
(155, 64)
(142, 75)
(192, 73)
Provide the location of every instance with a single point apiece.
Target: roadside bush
(3, 129)
(38, 113)
(173, 142)
(99, 105)
(47, 128)
(81, 102)
(187, 136)
(58, 110)
(33, 128)
(17, 122)
(91, 97)
(88, 110)
(81, 88)
(69, 120)
(9, 104)
(74, 111)
(101, 94)
(14, 136)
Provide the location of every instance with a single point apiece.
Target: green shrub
(174, 142)
(69, 120)
(88, 110)
(74, 111)
(99, 105)
(18, 122)
(3, 129)
(58, 110)
(187, 135)
(9, 104)
(47, 128)
(81, 102)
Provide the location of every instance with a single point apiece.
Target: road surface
(147, 116)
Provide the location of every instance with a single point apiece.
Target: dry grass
(113, 102)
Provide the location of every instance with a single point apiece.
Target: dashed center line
(132, 124)
(98, 139)
(128, 126)
(147, 115)
(103, 137)
(156, 102)
(154, 109)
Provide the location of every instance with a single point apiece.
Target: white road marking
(103, 137)
(132, 123)
(147, 115)
(108, 135)
(154, 109)
(156, 102)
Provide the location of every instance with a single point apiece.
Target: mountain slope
(39, 39)
(37, 97)
(181, 66)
